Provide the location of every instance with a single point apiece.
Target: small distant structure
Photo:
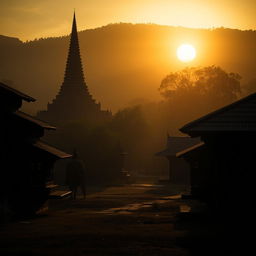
(74, 101)
(179, 169)
(26, 161)
(223, 166)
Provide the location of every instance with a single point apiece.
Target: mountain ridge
(122, 62)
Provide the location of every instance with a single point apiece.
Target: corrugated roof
(51, 150)
(21, 95)
(238, 116)
(177, 144)
(34, 120)
(190, 149)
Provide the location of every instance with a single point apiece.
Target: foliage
(211, 82)
(129, 121)
(132, 130)
(249, 87)
(102, 146)
(194, 92)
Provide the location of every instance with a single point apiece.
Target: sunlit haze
(29, 19)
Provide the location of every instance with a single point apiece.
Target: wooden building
(225, 161)
(179, 169)
(26, 161)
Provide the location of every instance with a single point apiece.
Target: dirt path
(128, 220)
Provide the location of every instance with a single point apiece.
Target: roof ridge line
(222, 109)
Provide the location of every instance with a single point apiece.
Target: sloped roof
(34, 120)
(238, 116)
(190, 149)
(8, 89)
(51, 150)
(177, 144)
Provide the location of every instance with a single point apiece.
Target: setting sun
(186, 52)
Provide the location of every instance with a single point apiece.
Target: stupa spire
(74, 68)
(73, 102)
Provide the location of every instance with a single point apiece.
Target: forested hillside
(123, 63)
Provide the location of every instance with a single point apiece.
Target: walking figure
(75, 175)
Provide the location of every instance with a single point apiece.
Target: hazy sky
(29, 19)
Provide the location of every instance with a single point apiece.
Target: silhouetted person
(75, 175)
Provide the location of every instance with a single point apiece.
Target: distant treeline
(123, 63)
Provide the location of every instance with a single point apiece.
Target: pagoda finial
(74, 28)
(74, 70)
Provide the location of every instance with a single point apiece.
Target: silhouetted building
(74, 101)
(225, 161)
(179, 169)
(198, 174)
(26, 161)
(223, 169)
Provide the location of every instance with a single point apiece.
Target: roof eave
(190, 149)
(21, 95)
(34, 120)
(186, 128)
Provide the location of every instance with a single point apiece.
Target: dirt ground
(123, 220)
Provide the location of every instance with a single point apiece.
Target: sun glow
(186, 52)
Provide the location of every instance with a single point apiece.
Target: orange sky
(29, 19)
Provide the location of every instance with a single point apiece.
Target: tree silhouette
(249, 87)
(210, 82)
(196, 91)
